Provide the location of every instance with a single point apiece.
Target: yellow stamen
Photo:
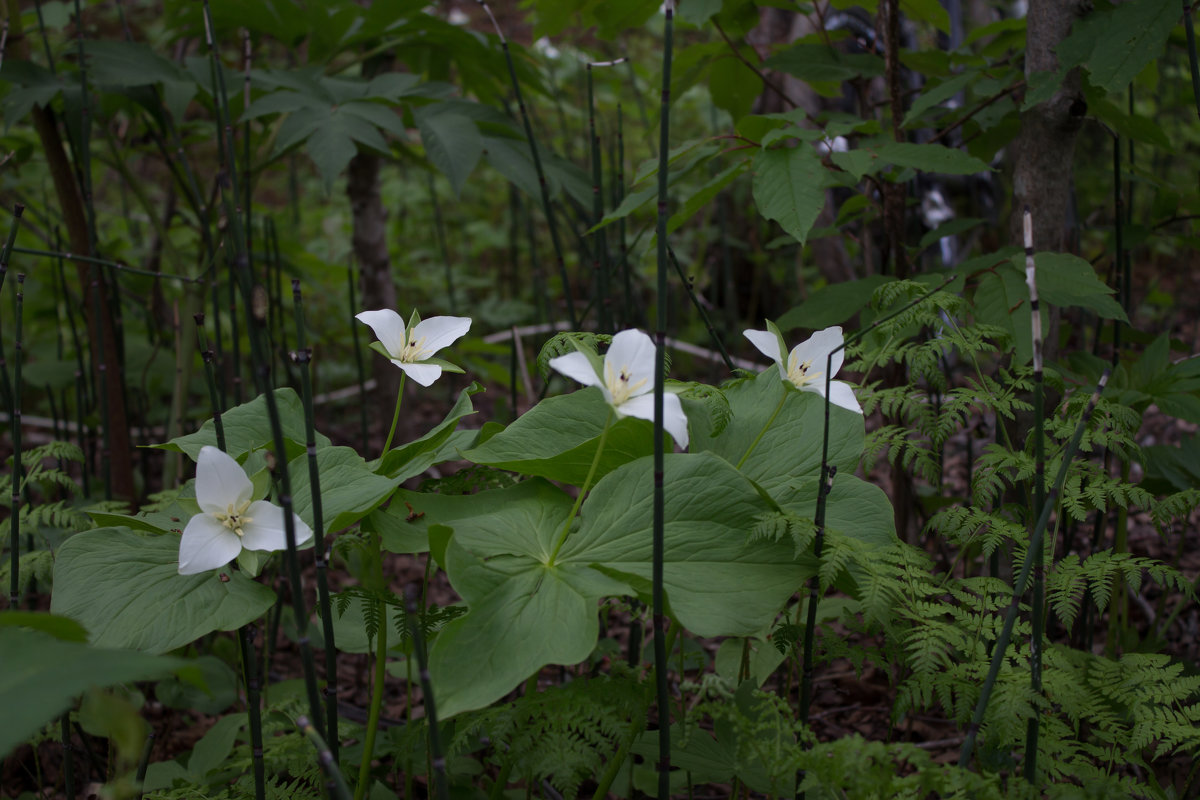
(618, 384)
(798, 372)
(235, 518)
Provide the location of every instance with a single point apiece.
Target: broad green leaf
(215, 746)
(705, 194)
(247, 427)
(930, 11)
(125, 588)
(938, 95)
(733, 85)
(1117, 42)
(409, 460)
(832, 305)
(718, 582)
(350, 489)
(820, 62)
(1002, 299)
(698, 12)
(1068, 280)
(40, 675)
(63, 628)
(952, 227)
(789, 188)
(452, 143)
(930, 158)
(854, 508)
(557, 439)
(526, 612)
(791, 449)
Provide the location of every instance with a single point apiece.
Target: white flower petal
(840, 394)
(424, 374)
(817, 349)
(767, 344)
(675, 422)
(206, 544)
(388, 327)
(631, 352)
(220, 481)
(577, 367)
(265, 530)
(440, 332)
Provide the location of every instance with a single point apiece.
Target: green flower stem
(583, 490)
(387, 445)
(364, 768)
(763, 432)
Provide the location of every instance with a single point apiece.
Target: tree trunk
(98, 313)
(1044, 150)
(371, 253)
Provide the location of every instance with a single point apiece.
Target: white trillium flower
(229, 519)
(628, 381)
(805, 366)
(411, 347)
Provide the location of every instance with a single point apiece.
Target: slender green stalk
(387, 444)
(440, 231)
(782, 399)
(358, 363)
(1193, 62)
(14, 554)
(1119, 610)
(1000, 648)
(335, 783)
(583, 490)
(64, 735)
(302, 357)
(256, 319)
(824, 486)
(1039, 493)
(599, 247)
(537, 164)
(381, 637)
(691, 293)
(663, 698)
(629, 315)
(143, 762)
(438, 776)
(85, 151)
(207, 355)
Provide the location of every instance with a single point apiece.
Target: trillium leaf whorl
(230, 519)
(626, 377)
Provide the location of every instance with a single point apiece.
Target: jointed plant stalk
(302, 357)
(537, 164)
(600, 238)
(380, 676)
(214, 400)
(999, 649)
(440, 232)
(663, 699)
(335, 783)
(14, 554)
(1039, 492)
(438, 776)
(256, 319)
(691, 293)
(358, 363)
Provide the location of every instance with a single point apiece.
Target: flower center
(235, 518)
(619, 385)
(414, 351)
(798, 372)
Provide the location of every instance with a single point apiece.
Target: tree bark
(371, 252)
(1044, 150)
(97, 313)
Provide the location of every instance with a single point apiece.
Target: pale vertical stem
(1039, 493)
(662, 701)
